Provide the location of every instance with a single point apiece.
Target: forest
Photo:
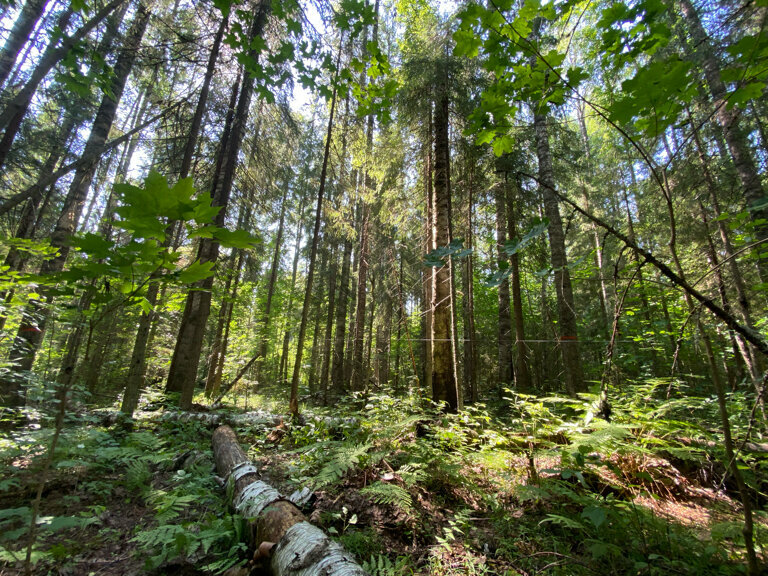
(384, 287)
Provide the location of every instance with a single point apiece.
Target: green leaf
(516, 245)
(235, 239)
(503, 145)
(595, 514)
(196, 272)
(743, 95)
(94, 245)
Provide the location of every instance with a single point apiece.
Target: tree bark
(730, 123)
(32, 327)
(522, 374)
(566, 311)
(444, 385)
(337, 369)
(294, 399)
(19, 35)
(277, 525)
(330, 316)
(14, 112)
(505, 372)
(186, 356)
(468, 300)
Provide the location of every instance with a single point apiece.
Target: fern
(390, 495)
(169, 506)
(137, 476)
(344, 460)
(412, 474)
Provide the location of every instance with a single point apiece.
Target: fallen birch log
(278, 528)
(108, 417)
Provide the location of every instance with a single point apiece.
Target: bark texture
(186, 355)
(444, 385)
(22, 28)
(568, 335)
(730, 123)
(505, 371)
(32, 327)
(300, 547)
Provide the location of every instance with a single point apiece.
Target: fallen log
(751, 447)
(279, 530)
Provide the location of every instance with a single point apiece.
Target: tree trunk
(729, 120)
(753, 361)
(337, 369)
(278, 528)
(330, 316)
(266, 316)
(358, 340)
(566, 311)
(14, 112)
(428, 273)
(186, 357)
(603, 292)
(31, 330)
(294, 399)
(137, 367)
(19, 35)
(468, 300)
(505, 370)
(202, 101)
(522, 374)
(444, 385)
(32, 211)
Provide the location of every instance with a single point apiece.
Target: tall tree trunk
(468, 301)
(218, 375)
(428, 273)
(369, 332)
(522, 374)
(444, 385)
(566, 311)
(19, 35)
(289, 310)
(603, 292)
(294, 399)
(215, 355)
(31, 330)
(752, 359)
(504, 359)
(358, 340)
(729, 119)
(337, 369)
(330, 317)
(202, 101)
(137, 367)
(186, 356)
(33, 210)
(14, 112)
(266, 316)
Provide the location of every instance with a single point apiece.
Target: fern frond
(346, 458)
(390, 495)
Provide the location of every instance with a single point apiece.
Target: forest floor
(542, 489)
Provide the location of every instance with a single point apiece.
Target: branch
(7, 205)
(749, 334)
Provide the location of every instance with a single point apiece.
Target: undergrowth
(529, 485)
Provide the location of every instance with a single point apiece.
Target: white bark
(305, 550)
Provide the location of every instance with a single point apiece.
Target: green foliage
(380, 565)
(439, 256)
(389, 495)
(345, 457)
